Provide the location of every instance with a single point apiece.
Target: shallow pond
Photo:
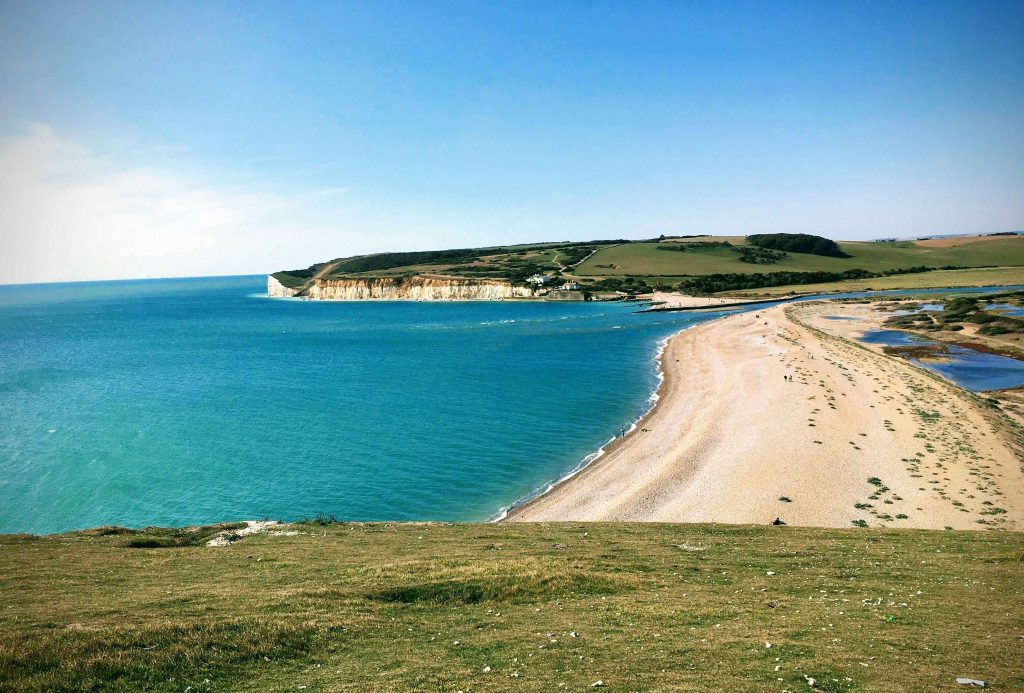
(1006, 309)
(970, 369)
(932, 307)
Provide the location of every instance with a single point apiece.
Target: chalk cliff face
(415, 289)
(276, 289)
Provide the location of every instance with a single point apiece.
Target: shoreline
(611, 444)
(730, 462)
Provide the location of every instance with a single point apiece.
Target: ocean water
(183, 401)
(173, 402)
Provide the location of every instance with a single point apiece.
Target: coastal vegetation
(918, 351)
(990, 323)
(961, 310)
(513, 607)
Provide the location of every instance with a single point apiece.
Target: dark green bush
(759, 256)
(151, 543)
(798, 243)
(993, 329)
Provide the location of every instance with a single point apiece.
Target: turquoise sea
(184, 401)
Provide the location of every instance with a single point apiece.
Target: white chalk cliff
(276, 289)
(404, 288)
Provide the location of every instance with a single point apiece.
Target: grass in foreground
(515, 607)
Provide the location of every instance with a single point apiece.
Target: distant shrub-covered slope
(713, 283)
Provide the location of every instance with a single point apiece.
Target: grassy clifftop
(513, 263)
(513, 607)
(637, 266)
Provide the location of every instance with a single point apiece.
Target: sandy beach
(664, 300)
(778, 414)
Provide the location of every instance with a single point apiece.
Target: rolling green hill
(638, 259)
(672, 263)
(485, 607)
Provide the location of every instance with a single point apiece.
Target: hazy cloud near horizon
(71, 214)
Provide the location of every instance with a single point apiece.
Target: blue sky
(157, 139)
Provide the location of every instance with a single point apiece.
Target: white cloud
(69, 214)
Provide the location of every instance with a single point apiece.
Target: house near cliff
(570, 286)
(540, 279)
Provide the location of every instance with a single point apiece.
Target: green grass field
(993, 276)
(645, 259)
(515, 607)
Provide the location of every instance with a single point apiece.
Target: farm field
(646, 259)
